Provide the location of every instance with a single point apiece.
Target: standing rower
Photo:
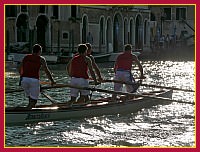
(78, 70)
(29, 72)
(122, 69)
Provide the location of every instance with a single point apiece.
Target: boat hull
(102, 58)
(51, 113)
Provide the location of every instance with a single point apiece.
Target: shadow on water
(171, 54)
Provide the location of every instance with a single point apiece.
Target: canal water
(171, 125)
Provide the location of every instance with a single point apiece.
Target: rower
(29, 72)
(78, 70)
(122, 69)
(94, 65)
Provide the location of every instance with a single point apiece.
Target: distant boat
(102, 57)
(97, 57)
(64, 58)
(136, 53)
(18, 57)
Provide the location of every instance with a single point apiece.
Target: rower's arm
(89, 63)
(68, 67)
(20, 68)
(116, 64)
(115, 67)
(46, 69)
(139, 65)
(96, 68)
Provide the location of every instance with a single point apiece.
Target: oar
(164, 87)
(45, 82)
(115, 92)
(61, 79)
(49, 83)
(13, 90)
(149, 85)
(49, 97)
(105, 91)
(42, 88)
(20, 89)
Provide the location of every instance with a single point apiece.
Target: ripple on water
(161, 125)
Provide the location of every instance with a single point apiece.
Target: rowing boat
(98, 107)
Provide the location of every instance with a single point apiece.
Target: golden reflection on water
(161, 125)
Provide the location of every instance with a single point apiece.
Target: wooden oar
(13, 90)
(164, 87)
(45, 82)
(42, 88)
(106, 91)
(150, 85)
(20, 89)
(115, 92)
(49, 97)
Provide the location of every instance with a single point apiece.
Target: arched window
(24, 8)
(55, 11)
(117, 33)
(125, 31)
(42, 9)
(22, 28)
(42, 22)
(84, 29)
(145, 32)
(153, 18)
(101, 31)
(73, 11)
(131, 32)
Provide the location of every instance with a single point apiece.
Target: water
(170, 125)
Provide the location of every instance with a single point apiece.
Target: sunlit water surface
(158, 126)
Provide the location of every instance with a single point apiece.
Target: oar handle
(164, 87)
(111, 92)
(118, 81)
(49, 97)
(123, 93)
(150, 85)
(45, 82)
(13, 90)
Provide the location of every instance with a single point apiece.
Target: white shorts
(81, 82)
(124, 76)
(31, 87)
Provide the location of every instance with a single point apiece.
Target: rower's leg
(32, 103)
(73, 99)
(117, 87)
(84, 95)
(83, 99)
(135, 87)
(87, 99)
(114, 97)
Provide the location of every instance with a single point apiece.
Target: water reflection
(161, 125)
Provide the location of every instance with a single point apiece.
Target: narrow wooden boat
(97, 107)
(100, 58)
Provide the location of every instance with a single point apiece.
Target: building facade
(60, 28)
(174, 23)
